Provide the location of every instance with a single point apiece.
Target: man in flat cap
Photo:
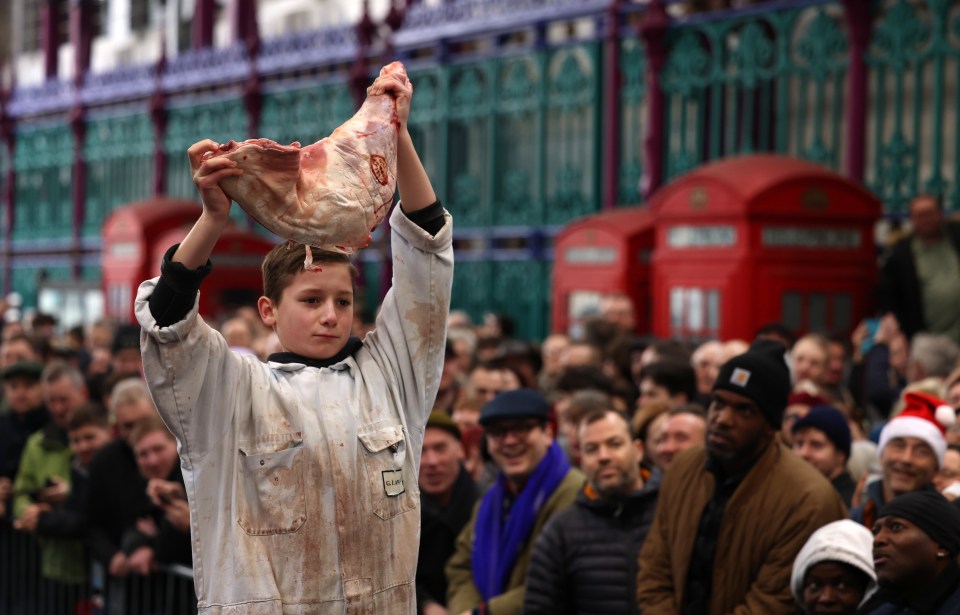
(487, 571)
(733, 516)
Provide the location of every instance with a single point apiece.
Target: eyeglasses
(500, 431)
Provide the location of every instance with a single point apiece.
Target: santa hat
(925, 417)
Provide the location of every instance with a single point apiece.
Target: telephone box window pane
(695, 309)
(792, 311)
(676, 310)
(842, 312)
(713, 311)
(817, 317)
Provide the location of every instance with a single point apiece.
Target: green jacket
(462, 593)
(45, 455)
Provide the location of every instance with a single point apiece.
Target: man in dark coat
(447, 496)
(585, 561)
(117, 495)
(25, 415)
(916, 540)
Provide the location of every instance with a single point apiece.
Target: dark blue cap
(516, 404)
(831, 422)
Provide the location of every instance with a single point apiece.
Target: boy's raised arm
(416, 191)
(207, 173)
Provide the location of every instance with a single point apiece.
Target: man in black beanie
(733, 516)
(915, 547)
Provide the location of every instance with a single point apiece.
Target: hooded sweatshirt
(843, 541)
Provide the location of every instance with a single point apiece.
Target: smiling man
(585, 561)
(912, 448)
(487, 572)
(733, 516)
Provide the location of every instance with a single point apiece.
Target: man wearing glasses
(487, 571)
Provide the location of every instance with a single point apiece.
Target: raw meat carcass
(331, 194)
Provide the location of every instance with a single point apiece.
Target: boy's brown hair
(90, 413)
(285, 261)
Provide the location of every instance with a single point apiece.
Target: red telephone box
(136, 236)
(758, 239)
(604, 253)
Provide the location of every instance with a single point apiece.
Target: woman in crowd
(833, 572)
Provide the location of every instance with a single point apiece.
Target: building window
(818, 312)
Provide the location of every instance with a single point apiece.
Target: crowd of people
(600, 473)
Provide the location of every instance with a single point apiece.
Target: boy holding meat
(301, 473)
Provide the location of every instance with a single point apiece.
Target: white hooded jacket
(842, 541)
(302, 481)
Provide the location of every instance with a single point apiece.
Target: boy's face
(315, 313)
(86, 440)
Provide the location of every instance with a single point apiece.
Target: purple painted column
(50, 37)
(653, 30)
(81, 37)
(158, 117)
(78, 126)
(611, 113)
(9, 137)
(859, 24)
(201, 33)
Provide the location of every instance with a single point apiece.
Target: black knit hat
(936, 517)
(761, 375)
(831, 422)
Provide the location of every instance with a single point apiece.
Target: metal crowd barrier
(24, 590)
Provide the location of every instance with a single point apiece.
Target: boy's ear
(268, 313)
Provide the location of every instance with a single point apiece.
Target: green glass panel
(427, 124)
(756, 82)
(522, 292)
(633, 115)
(468, 143)
(472, 288)
(44, 163)
(517, 198)
(370, 290)
(572, 134)
(119, 155)
(220, 121)
(914, 67)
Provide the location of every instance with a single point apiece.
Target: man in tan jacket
(732, 517)
(487, 572)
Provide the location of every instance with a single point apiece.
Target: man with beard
(585, 561)
(733, 516)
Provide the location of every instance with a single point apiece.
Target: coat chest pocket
(383, 455)
(270, 498)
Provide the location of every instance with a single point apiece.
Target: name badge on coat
(392, 482)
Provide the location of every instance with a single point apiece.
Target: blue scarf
(496, 546)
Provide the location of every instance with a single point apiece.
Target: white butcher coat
(302, 481)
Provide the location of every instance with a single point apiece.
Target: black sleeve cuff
(430, 218)
(176, 290)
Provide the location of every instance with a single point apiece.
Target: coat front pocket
(270, 498)
(383, 455)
